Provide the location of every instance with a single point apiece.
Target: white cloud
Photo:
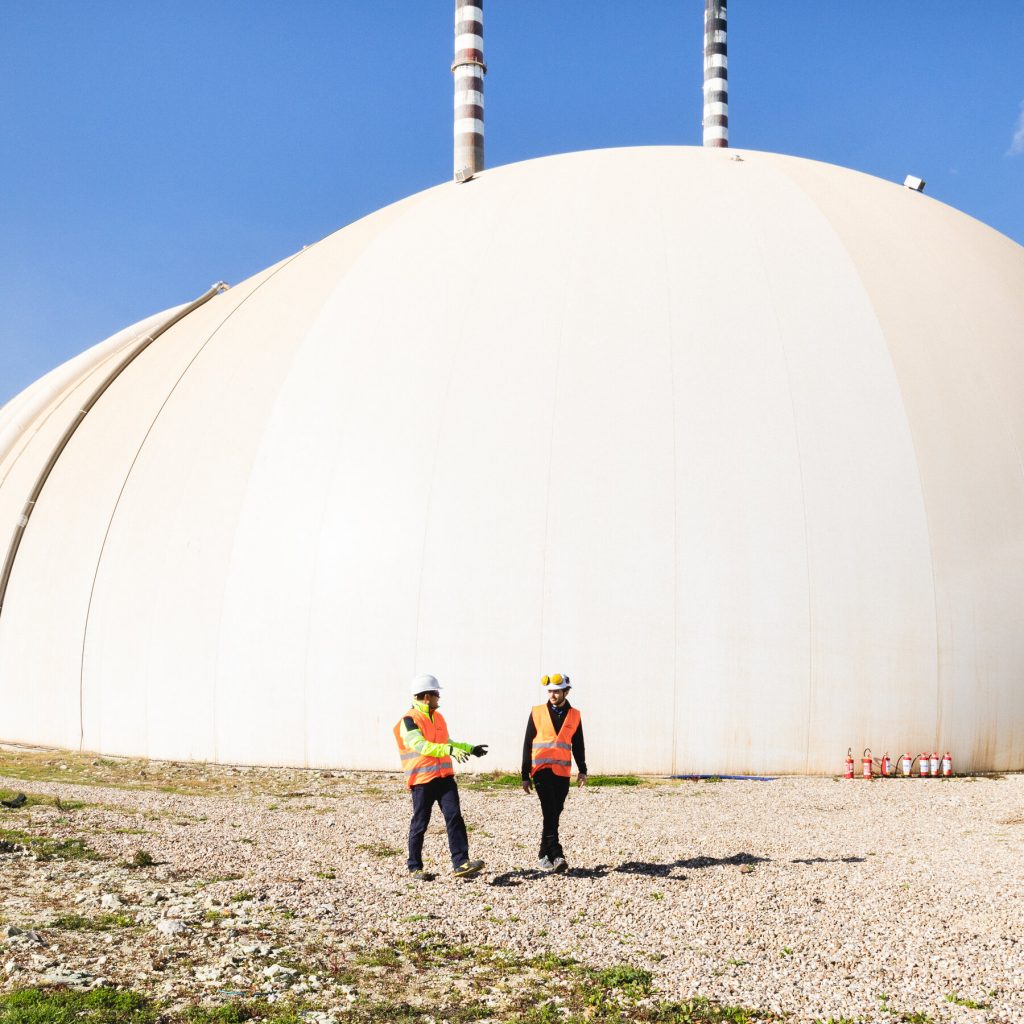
(1017, 145)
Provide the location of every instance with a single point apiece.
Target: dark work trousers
(552, 790)
(424, 796)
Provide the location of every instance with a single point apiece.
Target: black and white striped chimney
(469, 70)
(716, 74)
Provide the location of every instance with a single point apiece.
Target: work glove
(479, 750)
(458, 754)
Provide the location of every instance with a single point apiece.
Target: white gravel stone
(171, 926)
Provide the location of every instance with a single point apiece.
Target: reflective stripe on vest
(551, 750)
(420, 768)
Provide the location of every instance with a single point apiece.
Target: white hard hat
(425, 684)
(555, 682)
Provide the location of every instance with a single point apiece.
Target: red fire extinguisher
(935, 765)
(924, 763)
(886, 765)
(947, 765)
(848, 767)
(906, 763)
(866, 763)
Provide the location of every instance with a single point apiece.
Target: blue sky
(150, 148)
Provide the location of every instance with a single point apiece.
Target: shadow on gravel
(598, 871)
(632, 867)
(637, 867)
(512, 878)
(828, 860)
(736, 860)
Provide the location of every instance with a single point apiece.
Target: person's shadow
(632, 867)
(828, 860)
(512, 878)
(736, 860)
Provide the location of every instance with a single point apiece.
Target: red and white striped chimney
(716, 74)
(469, 70)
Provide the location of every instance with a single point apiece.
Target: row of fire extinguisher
(928, 766)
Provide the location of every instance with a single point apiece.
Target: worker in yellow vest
(427, 752)
(554, 736)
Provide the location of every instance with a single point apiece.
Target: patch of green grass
(614, 780)
(45, 848)
(240, 1012)
(379, 849)
(241, 897)
(573, 992)
(551, 962)
(61, 1006)
(786, 951)
(634, 981)
(68, 805)
(704, 1011)
(64, 849)
(959, 1000)
(142, 859)
(385, 956)
(101, 923)
(407, 1013)
(495, 780)
(38, 799)
(713, 778)
(915, 1018)
(328, 874)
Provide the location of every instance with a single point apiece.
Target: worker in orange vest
(554, 735)
(427, 751)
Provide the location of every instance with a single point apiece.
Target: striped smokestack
(469, 70)
(716, 74)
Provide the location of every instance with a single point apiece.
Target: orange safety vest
(549, 750)
(419, 768)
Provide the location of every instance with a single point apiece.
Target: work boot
(469, 869)
(422, 876)
(544, 863)
(559, 864)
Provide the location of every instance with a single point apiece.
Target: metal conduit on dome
(26, 514)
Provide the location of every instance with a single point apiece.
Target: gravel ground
(809, 897)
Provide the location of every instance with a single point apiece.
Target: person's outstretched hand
(527, 786)
(480, 750)
(459, 755)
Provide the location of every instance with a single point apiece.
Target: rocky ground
(800, 899)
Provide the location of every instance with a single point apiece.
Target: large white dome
(733, 438)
